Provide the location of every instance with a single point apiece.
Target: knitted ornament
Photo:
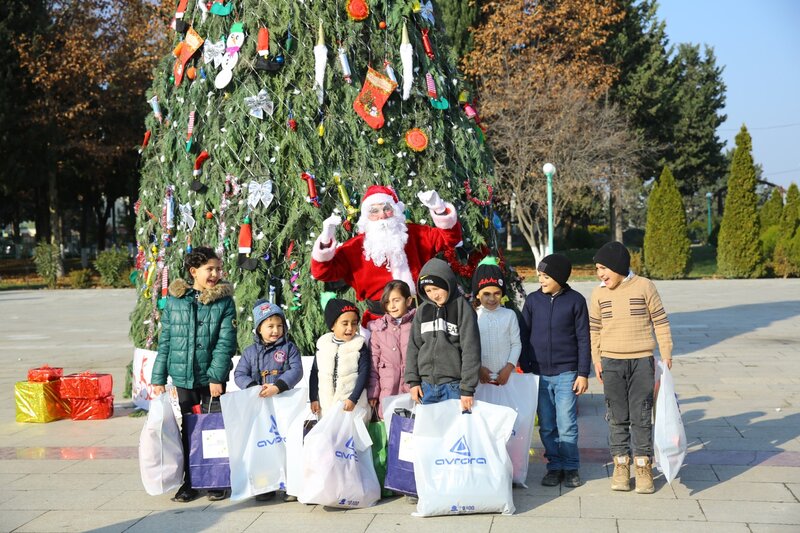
(263, 61)
(357, 9)
(197, 185)
(246, 262)
(178, 24)
(370, 101)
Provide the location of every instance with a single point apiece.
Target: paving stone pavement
(737, 373)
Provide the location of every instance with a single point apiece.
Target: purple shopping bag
(399, 454)
(209, 467)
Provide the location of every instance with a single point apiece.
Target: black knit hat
(336, 308)
(614, 256)
(430, 279)
(556, 266)
(487, 275)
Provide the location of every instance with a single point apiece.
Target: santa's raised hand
(432, 201)
(329, 225)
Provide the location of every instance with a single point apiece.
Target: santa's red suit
(347, 262)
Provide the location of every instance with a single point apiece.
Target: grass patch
(704, 262)
(521, 258)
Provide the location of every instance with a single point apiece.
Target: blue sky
(758, 43)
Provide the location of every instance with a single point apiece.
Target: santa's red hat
(379, 194)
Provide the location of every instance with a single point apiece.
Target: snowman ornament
(232, 46)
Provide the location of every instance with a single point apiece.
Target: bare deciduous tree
(589, 143)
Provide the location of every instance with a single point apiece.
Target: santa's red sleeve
(332, 263)
(447, 233)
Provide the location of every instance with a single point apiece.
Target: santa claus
(386, 247)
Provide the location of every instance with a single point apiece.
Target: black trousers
(628, 387)
(188, 398)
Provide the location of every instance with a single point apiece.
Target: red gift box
(92, 409)
(86, 385)
(45, 373)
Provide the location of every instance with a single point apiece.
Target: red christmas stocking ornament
(370, 101)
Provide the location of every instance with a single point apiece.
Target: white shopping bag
(521, 393)
(338, 469)
(294, 451)
(255, 430)
(390, 403)
(461, 464)
(142, 390)
(160, 449)
(669, 437)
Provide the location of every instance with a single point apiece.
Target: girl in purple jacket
(388, 343)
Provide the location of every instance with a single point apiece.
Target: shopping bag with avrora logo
(256, 430)
(338, 469)
(461, 464)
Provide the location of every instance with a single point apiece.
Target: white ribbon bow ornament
(260, 104)
(259, 192)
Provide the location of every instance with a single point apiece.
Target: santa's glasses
(376, 210)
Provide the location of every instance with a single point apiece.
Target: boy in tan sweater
(624, 312)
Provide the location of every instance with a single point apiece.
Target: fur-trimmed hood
(179, 288)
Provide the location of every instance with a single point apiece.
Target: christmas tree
(269, 116)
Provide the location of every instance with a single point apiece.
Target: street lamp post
(549, 169)
(708, 204)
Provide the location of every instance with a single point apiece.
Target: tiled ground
(737, 372)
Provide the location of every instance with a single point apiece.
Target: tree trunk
(84, 233)
(42, 215)
(509, 236)
(615, 213)
(56, 236)
(101, 213)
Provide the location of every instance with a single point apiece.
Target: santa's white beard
(385, 241)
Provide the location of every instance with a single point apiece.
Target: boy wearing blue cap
(272, 362)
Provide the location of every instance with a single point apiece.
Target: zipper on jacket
(550, 331)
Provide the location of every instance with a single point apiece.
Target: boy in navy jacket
(557, 320)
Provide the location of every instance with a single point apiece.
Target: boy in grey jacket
(444, 350)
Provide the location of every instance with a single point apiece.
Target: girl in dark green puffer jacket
(196, 344)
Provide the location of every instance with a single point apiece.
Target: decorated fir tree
(666, 243)
(270, 115)
(738, 248)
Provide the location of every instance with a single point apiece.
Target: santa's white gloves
(431, 200)
(329, 228)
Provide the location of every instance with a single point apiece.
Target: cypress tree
(739, 250)
(666, 243)
(770, 213)
(770, 217)
(786, 260)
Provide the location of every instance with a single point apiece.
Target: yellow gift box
(40, 401)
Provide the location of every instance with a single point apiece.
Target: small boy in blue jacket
(557, 320)
(272, 362)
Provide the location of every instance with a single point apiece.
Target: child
(388, 344)
(623, 313)
(558, 326)
(196, 344)
(443, 357)
(272, 362)
(341, 366)
(499, 327)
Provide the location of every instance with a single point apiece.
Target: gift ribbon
(260, 104)
(259, 192)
